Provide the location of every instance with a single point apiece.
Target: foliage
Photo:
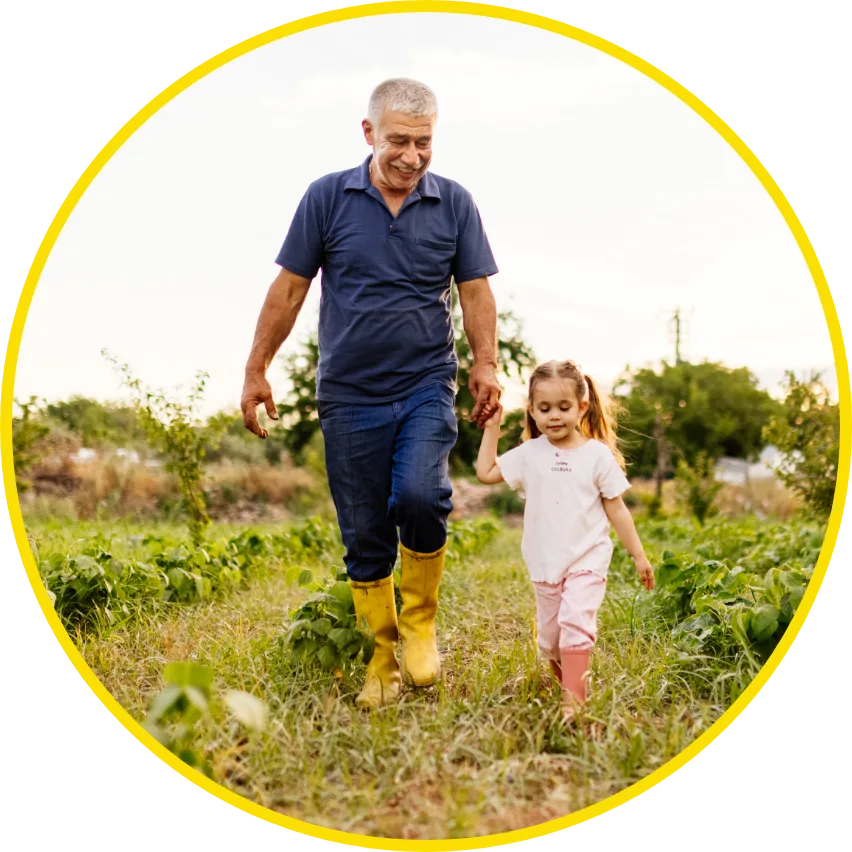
(186, 700)
(722, 604)
(173, 427)
(97, 423)
(514, 357)
(697, 487)
(706, 408)
(503, 500)
(298, 414)
(806, 431)
(92, 583)
(324, 630)
(28, 432)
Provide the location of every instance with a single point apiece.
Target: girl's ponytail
(530, 430)
(599, 421)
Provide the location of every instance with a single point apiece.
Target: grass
(483, 752)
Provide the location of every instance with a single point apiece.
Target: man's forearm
(479, 315)
(277, 317)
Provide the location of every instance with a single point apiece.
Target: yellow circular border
(309, 23)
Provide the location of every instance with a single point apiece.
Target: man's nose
(410, 156)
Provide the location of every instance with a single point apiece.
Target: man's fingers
(250, 421)
(271, 410)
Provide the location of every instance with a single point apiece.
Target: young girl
(572, 473)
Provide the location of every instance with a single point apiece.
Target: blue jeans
(387, 468)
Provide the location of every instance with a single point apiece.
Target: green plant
(807, 434)
(325, 631)
(739, 601)
(696, 486)
(28, 432)
(186, 700)
(504, 501)
(173, 427)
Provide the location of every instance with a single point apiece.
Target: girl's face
(556, 409)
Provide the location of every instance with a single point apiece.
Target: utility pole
(676, 319)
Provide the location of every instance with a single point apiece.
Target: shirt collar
(427, 186)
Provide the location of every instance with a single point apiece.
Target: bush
(696, 486)
(504, 501)
(807, 434)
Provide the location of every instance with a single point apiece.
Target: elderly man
(389, 237)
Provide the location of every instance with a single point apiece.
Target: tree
(97, 423)
(299, 414)
(689, 409)
(806, 431)
(299, 411)
(174, 428)
(28, 433)
(514, 357)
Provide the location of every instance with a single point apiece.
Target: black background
(779, 770)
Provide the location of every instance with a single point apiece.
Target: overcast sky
(608, 203)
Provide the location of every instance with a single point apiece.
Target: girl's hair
(599, 419)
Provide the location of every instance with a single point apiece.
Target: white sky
(606, 200)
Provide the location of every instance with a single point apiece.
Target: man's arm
(277, 317)
(479, 315)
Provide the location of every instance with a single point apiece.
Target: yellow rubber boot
(420, 578)
(375, 604)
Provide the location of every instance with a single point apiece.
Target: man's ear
(367, 127)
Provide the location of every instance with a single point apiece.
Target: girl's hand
(645, 572)
(492, 416)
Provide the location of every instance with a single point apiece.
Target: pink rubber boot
(575, 673)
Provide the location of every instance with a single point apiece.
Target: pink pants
(567, 613)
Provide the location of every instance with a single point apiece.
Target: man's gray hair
(402, 95)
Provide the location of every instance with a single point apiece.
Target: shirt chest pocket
(433, 259)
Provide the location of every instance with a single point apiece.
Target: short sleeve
(473, 258)
(302, 252)
(609, 477)
(511, 466)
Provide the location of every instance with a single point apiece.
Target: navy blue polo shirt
(384, 327)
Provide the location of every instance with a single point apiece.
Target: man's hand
(485, 390)
(257, 391)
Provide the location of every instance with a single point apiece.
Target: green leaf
(189, 674)
(158, 733)
(321, 626)
(342, 592)
(764, 622)
(247, 709)
(306, 576)
(327, 657)
(197, 697)
(163, 702)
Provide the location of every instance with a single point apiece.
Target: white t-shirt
(564, 517)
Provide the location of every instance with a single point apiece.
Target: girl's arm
(487, 470)
(620, 517)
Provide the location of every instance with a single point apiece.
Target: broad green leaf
(327, 657)
(764, 621)
(197, 697)
(306, 576)
(247, 709)
(163, 702)
(340, 636)
(342, 591)
(321, 626)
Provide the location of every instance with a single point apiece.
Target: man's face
(402, 149)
